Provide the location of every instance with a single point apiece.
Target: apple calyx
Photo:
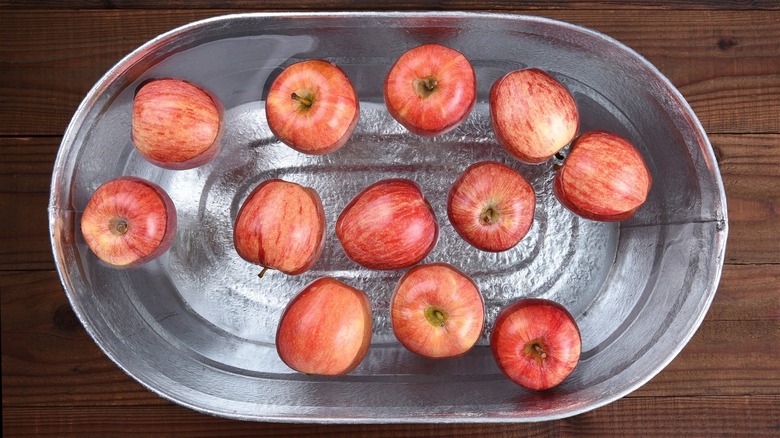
(426, 86)
(435, 316)
(118, 226)
(489, 215)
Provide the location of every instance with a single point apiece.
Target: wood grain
(641, 416)
(726, 63)
(392, 5)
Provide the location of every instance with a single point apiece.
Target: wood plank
(665, 416)
(24, 231)
(724, 62)
(25, 176)
(49, 360)
(390, 5)
(749, 164)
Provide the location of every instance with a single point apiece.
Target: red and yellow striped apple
(491, 206)
(326, 329)
(603, 178)
(533, 115)
(536, 343)
(129, 221)
(430, 89)
(437, 311)
(281, 225)
(389, 225)
(312, 107)
(176, 124)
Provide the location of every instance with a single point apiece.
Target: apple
(326, 329)
(536, 343)
(176, 124)
(604, 177)
(491, 206)
(281, 225)
(129, 221)
(389, 225)
(437, 311)
(430, 89)
(312, 107)
(533, 115)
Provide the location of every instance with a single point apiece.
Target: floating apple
(129, 221)
(437, 311)
(533, 115)
(536, 343)
(281, 225)
(326, 329)
(176, 124)
(603, 178)
(312, 107)
(491, 206)
(430, 89)
(389, 225)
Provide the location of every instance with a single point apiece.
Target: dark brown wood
(393, 5)
(25, 176)
(722, 55)
(641, 416)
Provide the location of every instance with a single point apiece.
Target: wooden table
(723, 56)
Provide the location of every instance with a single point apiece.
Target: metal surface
(197, 326)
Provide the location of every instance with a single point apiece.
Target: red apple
(603, 178)
(430, 89)
(389, 225)
(129, 221)
(491, 206)
(533, 115)
(312, 107)
(536, 343)
(281, 226)
(437, 311)
(326, 329)
(176, 124)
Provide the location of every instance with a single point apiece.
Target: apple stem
(540, 351)
(488, 216)
(307, 102)
(435, 316)
(260, 275)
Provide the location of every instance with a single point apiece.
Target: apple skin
(129, 221)
(604, 178)
(312, 107)
(437, 311)
(326, 329)
(281, 225)
(536, 343)
(491, 206)
(388, 225)
(533, 115)
(430, 89)
(176, 124)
